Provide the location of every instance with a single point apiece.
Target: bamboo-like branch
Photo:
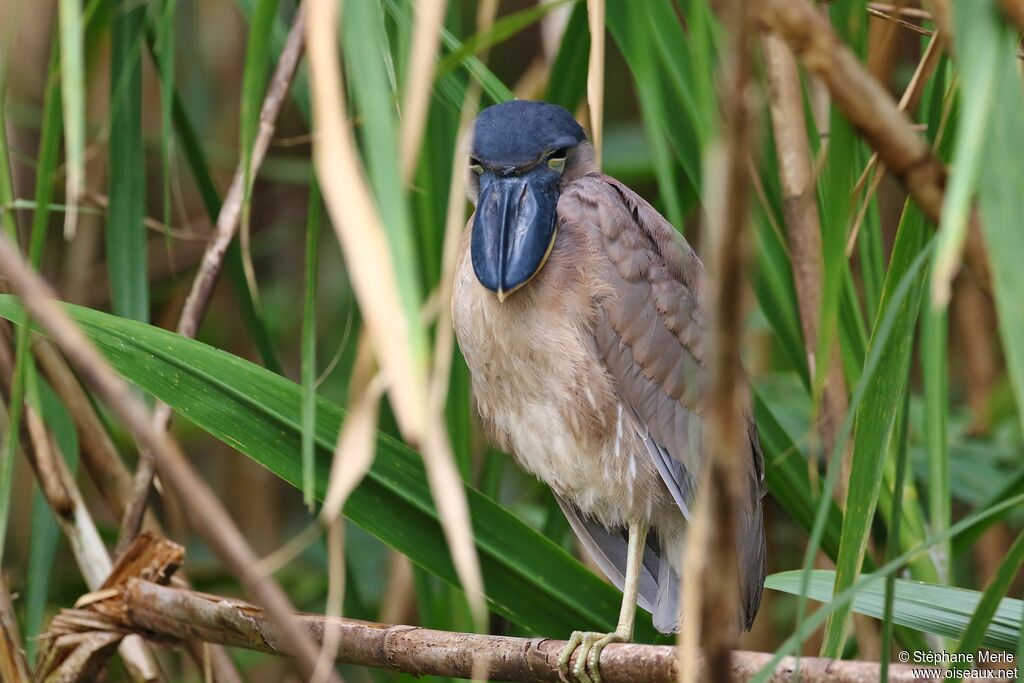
(213, 258)
(861, 99)
(803, 229)
(13, 667)
(206, 513)
(169, 614)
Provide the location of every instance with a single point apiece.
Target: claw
(588, 663)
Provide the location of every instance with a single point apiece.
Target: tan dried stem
(205, 512)
(724, 485)
(213, 258)
(169, 613)
(13, 666)
(595, 75)
(360, 231)
(426, 38)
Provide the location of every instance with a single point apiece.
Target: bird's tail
(667, 612)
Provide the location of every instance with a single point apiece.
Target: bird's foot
(589, 644)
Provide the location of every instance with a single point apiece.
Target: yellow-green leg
(590, 644)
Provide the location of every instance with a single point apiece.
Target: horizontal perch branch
(170, 614)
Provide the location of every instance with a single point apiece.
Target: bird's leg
(590, 645)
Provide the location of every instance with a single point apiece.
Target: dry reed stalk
(205, 511)
(169, 614)
(426, 38)
(360, 231)
(712, 555)
(595, 75)
(800, 209)
(13, 667)
(213, 258)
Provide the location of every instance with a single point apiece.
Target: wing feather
(648, 333)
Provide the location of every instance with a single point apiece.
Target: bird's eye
(556, 159)
(475, 166)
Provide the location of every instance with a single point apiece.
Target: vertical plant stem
(308, 370)
(595, 75)
(126, 235)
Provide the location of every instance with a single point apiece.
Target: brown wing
(648, 332)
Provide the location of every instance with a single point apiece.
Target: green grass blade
(978, 49)
(503, 29)
(893, 543)
(931, 608)
(874, 420)
(1002, 202)
(126, 234)
(10, 228)
(46, 169)
(72, 66)
(195, 158)
(364, 48)
(529, 579)
(567, 81)
(165, 57)
(308, 370)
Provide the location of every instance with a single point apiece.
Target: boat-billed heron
(578, 310)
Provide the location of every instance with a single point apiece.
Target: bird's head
(521, 156)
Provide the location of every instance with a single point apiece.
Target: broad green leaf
(529, 579)
(931, 608)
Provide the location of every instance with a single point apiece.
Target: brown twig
(861, 99)
(213, 258)
(169, 614)
(1014, 10)
(13, 667)
(206, 513)
(151, 558)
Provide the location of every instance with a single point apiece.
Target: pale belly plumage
(544, 397)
